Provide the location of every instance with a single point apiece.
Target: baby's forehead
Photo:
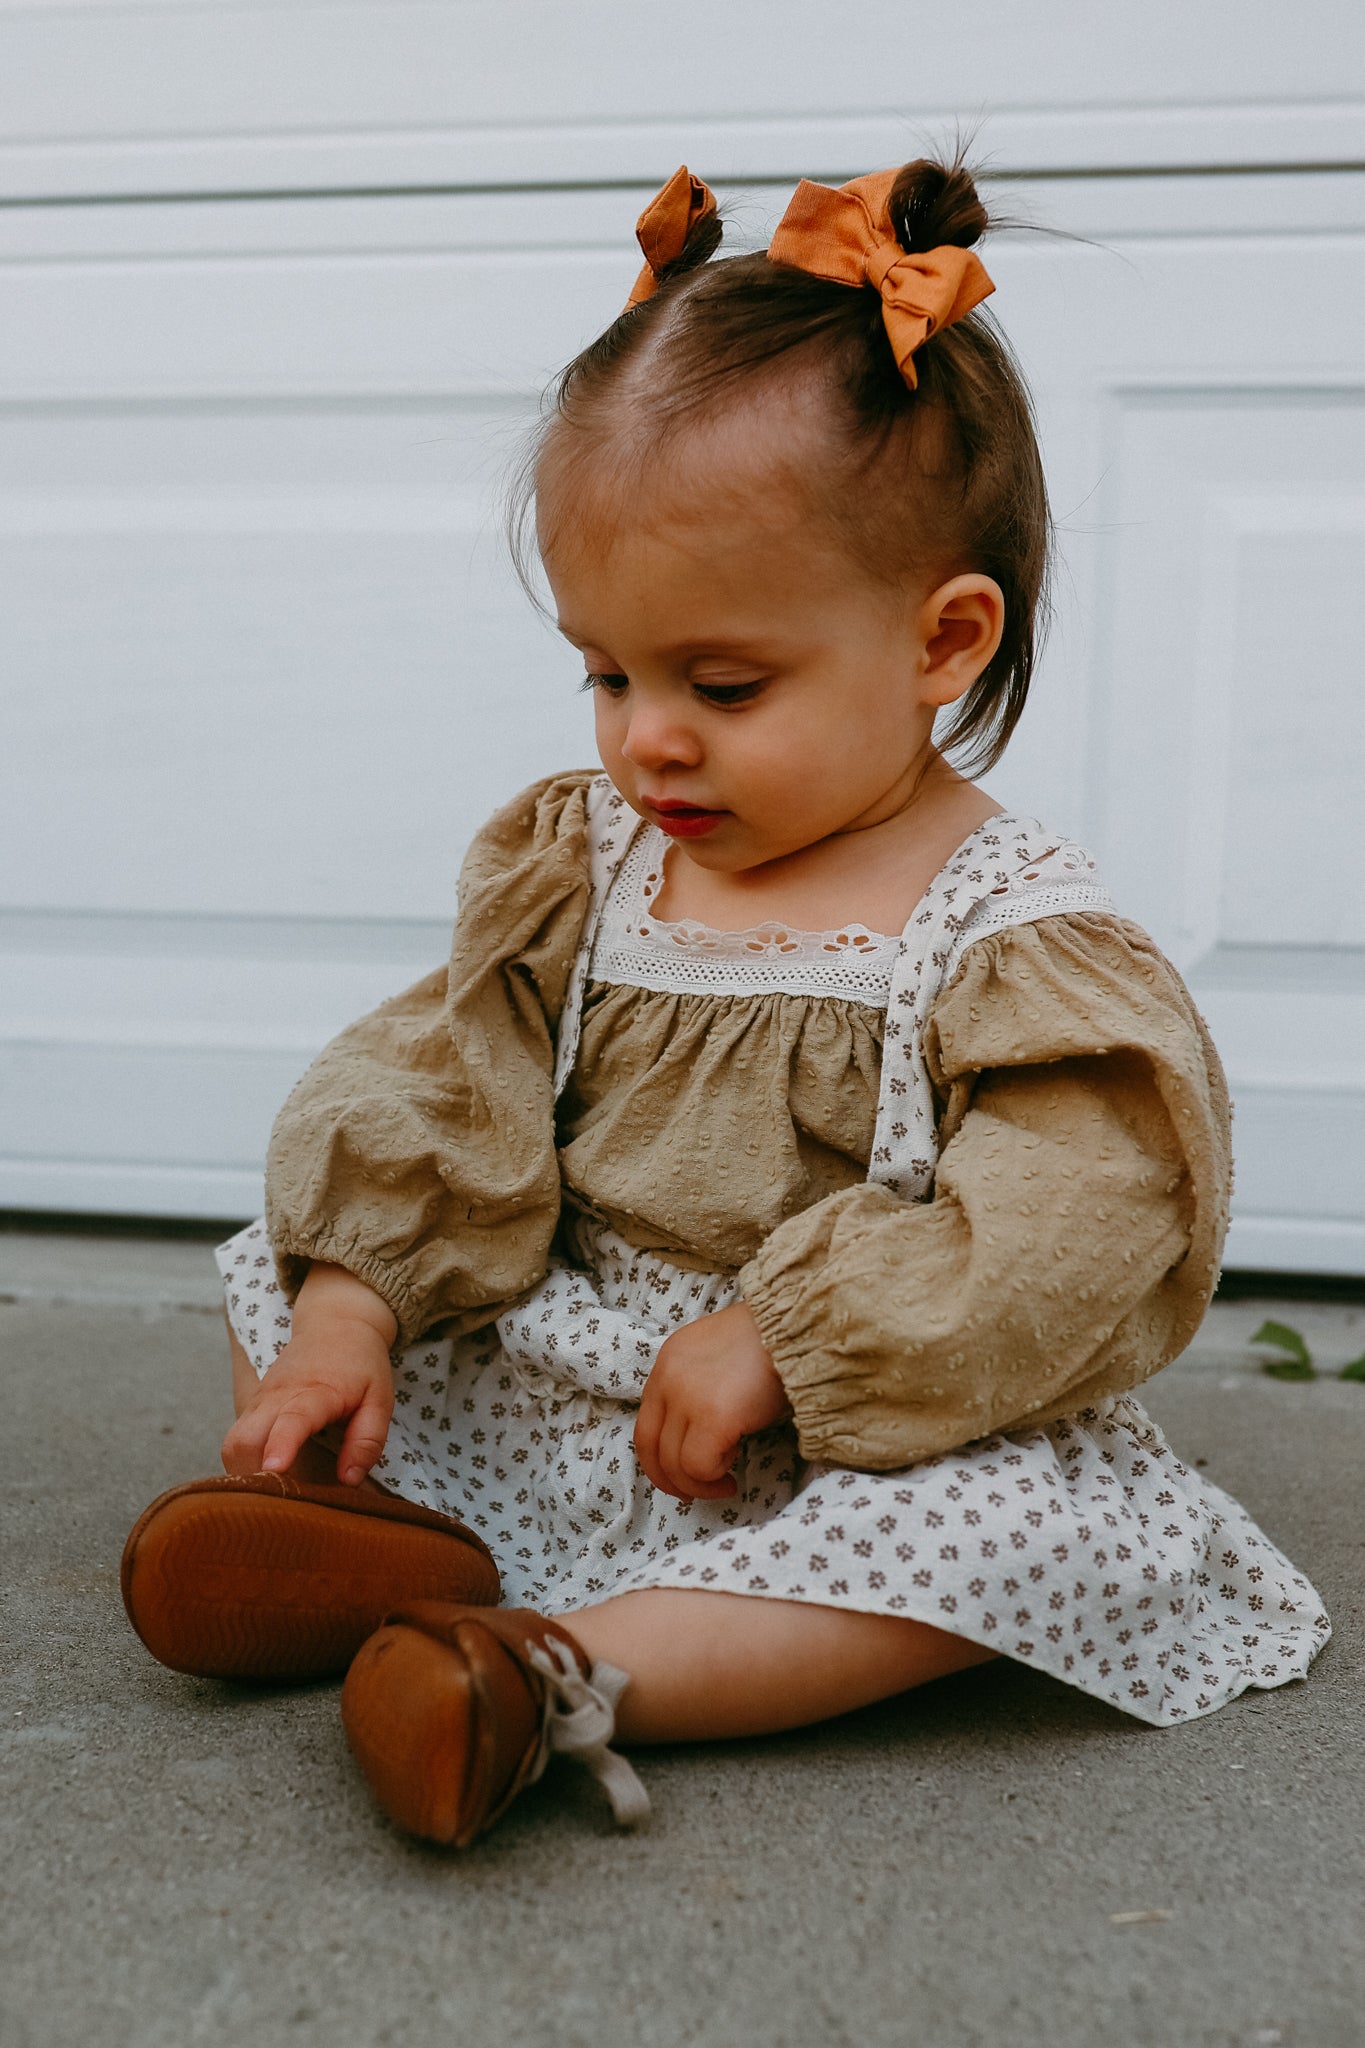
(746, 464)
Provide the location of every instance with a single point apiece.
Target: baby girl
(713, 1300)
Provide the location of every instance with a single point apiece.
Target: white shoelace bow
(580, 1720)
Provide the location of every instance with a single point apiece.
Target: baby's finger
(668, 1457)
(244, 1444)
(303, 1414)
(363, 1442)
(705, 1460)
(648, 1424)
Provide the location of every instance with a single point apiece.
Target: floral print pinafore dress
(1085, 1547)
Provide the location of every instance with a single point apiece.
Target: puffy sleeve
(1072, 1240)
(418, 1150)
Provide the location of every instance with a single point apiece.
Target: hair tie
(845, 234)
(664, 226)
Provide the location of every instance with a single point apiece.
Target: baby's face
(756, 691)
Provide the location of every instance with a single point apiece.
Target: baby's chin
(737, 851)
(734, 843)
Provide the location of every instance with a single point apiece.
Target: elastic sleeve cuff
(296, 1251)
(825, 1399)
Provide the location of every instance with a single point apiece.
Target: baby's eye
(612, 683)
(727, 693)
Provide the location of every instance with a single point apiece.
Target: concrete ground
(994, 1859)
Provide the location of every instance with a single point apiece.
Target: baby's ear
(960, 626)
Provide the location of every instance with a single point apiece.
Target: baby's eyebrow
(719, 645)
(747, 652)
(695, 648)
(750, 646)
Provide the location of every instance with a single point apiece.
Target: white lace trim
(634, 946)
(1061, 898)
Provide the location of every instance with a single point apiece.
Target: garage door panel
(247, 738)
(274, 668)
(187, 67)
(1227, 788)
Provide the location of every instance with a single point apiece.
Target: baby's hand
(712, 1383)
(334, 1368)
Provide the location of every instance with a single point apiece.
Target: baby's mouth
(680, 820)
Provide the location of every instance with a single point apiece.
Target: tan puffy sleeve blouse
(418, 1151)
(1068, 1251)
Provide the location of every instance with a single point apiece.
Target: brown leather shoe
(450, 1711)
(275, 1578)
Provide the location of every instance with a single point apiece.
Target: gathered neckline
(682, 955)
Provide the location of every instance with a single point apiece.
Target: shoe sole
(248, 1586)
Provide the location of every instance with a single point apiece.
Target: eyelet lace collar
(636, 947)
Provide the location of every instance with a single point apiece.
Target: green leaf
(1298, 1364)
(1355, 1370)
(1288, 1369)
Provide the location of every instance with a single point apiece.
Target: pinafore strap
(1009, 871)
(612, 827)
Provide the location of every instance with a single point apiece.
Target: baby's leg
(448, 1711)
(244, 1379)
(704, 1666)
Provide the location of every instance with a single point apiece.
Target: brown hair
(946, 476)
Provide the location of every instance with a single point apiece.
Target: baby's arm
(334, 1368)
(1068, 1251)
(712, 1384)
(1071, 1242)
(418, 1151)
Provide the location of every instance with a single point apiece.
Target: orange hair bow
(845, 234)
(664, 226)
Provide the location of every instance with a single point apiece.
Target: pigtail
(933, 206)
(972, 390)
(703, 240)
(642, 311)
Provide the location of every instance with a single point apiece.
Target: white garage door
(279, 285)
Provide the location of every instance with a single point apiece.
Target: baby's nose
(656, 739)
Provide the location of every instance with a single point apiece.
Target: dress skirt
(1085, 1548)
